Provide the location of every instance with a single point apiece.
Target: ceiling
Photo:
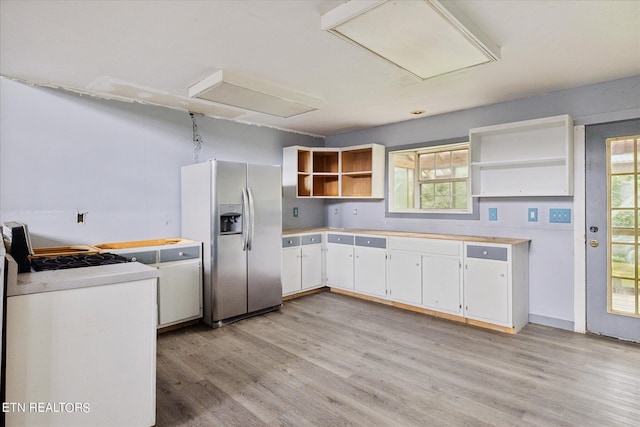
(152, 52)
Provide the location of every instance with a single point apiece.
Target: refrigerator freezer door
(229, 259)
(264, 258)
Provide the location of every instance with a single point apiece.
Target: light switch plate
(532, 215)
(560, 215)
(493, 214)
(295, 212)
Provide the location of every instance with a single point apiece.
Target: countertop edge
(77, 278)
(391, 233)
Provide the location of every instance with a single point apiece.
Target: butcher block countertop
(388, 233)
(76, 278)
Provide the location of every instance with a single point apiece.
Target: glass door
(613, 223)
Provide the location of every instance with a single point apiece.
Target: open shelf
(353, 172)
(356, 185)
(304, 185)
(521, 162)
(360, 160)
(325, 161)
(304, 161)
(325, 185)
(528, 158)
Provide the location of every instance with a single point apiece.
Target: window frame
(441, 145)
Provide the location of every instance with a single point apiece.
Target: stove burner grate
(76, 261)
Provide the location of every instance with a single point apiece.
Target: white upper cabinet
(528, 158)
(350, 172)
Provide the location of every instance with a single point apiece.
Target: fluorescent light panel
(232, 89)
(425, 38)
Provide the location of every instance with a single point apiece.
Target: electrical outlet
(355, 211)
(295, 212)
(560, 215)
(532, 215)
(493, 214)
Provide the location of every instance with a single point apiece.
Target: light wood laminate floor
(332, 360)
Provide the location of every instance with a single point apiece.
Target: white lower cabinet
(180, 285)
(339, 261)
(496, 285)
(95, 345)
(478, 282)
(311, 257)
(179, 291)
(426, 272)
(487, 291)
(405, 277)
(370, 266)
(291, 270)
(442, 283)
(302, 263)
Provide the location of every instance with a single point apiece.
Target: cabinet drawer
(290, 241)
(145, 257)
(178, 254)
(372, 242)
(312, 239)
(343, 239)
(487, 252)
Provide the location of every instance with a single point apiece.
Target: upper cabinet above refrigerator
(318, 172)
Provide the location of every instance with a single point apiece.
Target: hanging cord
(197, 139)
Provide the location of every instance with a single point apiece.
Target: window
(430, 179)
(623, 172)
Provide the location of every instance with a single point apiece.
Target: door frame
(579, 210)
(579, 231)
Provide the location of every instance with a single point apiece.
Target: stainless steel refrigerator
(235, 209)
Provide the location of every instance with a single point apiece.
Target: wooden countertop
(390, 233)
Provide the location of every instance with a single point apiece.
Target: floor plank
(332, 360)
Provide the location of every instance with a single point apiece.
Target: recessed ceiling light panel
(423, 37)
(239, 91)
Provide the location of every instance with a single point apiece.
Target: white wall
(551, 261)
(61, 153)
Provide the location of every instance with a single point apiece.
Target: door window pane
(622, 152)
(623, 226)
(624, 218)
(623, 295)
(623, 260)
(622, 191)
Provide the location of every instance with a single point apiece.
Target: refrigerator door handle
(252, 219)
(245, 221)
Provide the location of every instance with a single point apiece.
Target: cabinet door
(291, 270)
(340, 266)
(311, 266)
(487, 291)
(441, 283)
(405, 277)
(179, 291)
(370, 271)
